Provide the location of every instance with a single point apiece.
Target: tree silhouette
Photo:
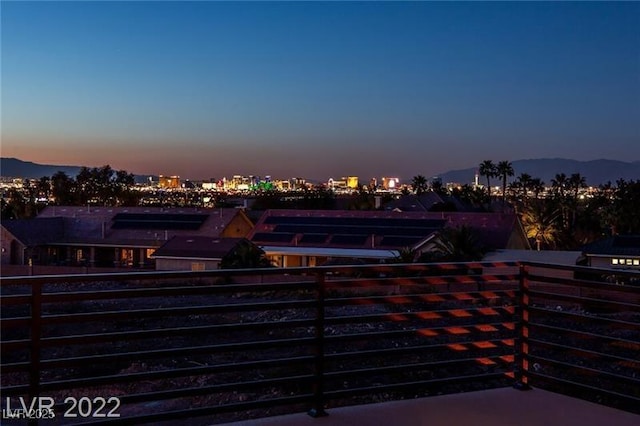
(503, 170)
(245, 256)
(419, 184)
(488, 169)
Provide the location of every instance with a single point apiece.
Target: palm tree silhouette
(419, 184)
(488, 169)
(504, 169)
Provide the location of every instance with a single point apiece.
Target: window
(197, 266)
(625, 262)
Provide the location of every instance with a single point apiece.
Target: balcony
(222, 346)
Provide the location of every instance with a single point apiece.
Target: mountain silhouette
(596, 172)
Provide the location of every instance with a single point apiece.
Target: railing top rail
(122, 276)
(386, 268)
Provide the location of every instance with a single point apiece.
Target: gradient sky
(318, 89)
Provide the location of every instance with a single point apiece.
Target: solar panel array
(348, 231)
(161, 221)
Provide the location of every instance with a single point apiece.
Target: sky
(317, 89)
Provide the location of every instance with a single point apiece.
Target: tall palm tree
(575, 183)
(488, 169)
(503, 170)
(537, 186)
(419, 184)
(560, 188)
(559, 185)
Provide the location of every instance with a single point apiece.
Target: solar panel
(158, 221)
(353, 230)
(349, 239)
(355, 221)
(313, 238)
(272, 237)
(397, 241)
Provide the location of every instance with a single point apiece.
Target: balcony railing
(153, 347)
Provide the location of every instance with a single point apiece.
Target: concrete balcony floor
(496, 407)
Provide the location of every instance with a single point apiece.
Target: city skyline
(208, 89)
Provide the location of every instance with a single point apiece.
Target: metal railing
(224, 345)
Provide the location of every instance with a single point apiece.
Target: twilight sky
(318, 89)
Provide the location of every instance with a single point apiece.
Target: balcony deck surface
(496, 407)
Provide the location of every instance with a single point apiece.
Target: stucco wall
(185, 264)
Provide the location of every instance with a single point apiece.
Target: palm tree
(419, 184)
(559, 185)
(537, 186)
(575, 183)
(488, 169)
(503, 170)
(539, 223)
(458, 245)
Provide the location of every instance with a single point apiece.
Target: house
(194, 253)
(313, 237)
(618, 251)
(111, 236)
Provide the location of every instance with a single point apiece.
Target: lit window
(636, 262)
(614, 261)
(628, 261)
(197, 266)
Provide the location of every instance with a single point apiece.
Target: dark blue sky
(326, 89)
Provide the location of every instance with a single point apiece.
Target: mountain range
(15, 168)
(596, 172)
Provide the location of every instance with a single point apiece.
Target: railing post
(34, 353)
(317, 409)
(521, 344)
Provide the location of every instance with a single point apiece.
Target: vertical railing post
(317, 409)
(521, 344)
(35, 336)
